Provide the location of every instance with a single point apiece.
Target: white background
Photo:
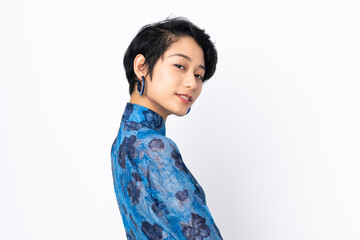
(273, 138)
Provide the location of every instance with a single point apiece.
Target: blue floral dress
(157, 195)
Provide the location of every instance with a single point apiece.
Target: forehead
(186, 46)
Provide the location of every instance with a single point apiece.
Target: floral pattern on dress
(152, 232)
(152, 120)
(159, 208)
(126, 149)
(133, 191)
(182, 195)
(133, 126)
(128, 110)
(197, 230)
(158, 197)
(156, 144)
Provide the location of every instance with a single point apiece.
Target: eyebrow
(186, 57)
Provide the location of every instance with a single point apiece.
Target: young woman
(157, 195)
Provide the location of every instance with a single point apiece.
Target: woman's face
(179, 72)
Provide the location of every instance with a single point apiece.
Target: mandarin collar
(144, 116)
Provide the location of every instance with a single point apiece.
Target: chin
(180, 113)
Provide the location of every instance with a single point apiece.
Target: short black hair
(154, 39)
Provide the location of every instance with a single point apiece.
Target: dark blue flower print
(134, 192)
(199, 193)
(156, 144)
(159, 208)
(197, 221)
(132, 220)
(133, 126)
(152, 119)
(128, 110)
(130, 146)
(152, 232)
(126, 149)
(157, 195)
(178, 160)
(156, 209)
(217, 231)
(131, 235)
(136, 176)
(122, 154)
(198, 230)
(182, 195)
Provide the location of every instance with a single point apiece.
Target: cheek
(160, 87)
(198, 91)
(199, 88)
(164, 77)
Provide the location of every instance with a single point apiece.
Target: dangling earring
(188, 111)
(141, 91)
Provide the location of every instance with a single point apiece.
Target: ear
(139, 68)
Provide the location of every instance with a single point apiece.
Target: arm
(179, 199)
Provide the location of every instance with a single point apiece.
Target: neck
(146, 102)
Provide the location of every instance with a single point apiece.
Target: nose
(190, 81)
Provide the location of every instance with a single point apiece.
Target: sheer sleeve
(179, 199)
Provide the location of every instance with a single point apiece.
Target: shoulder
(155, 143)
(162, 153)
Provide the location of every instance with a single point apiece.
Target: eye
(199, 76)
(179, 66)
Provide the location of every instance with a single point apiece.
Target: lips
(187, 98)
